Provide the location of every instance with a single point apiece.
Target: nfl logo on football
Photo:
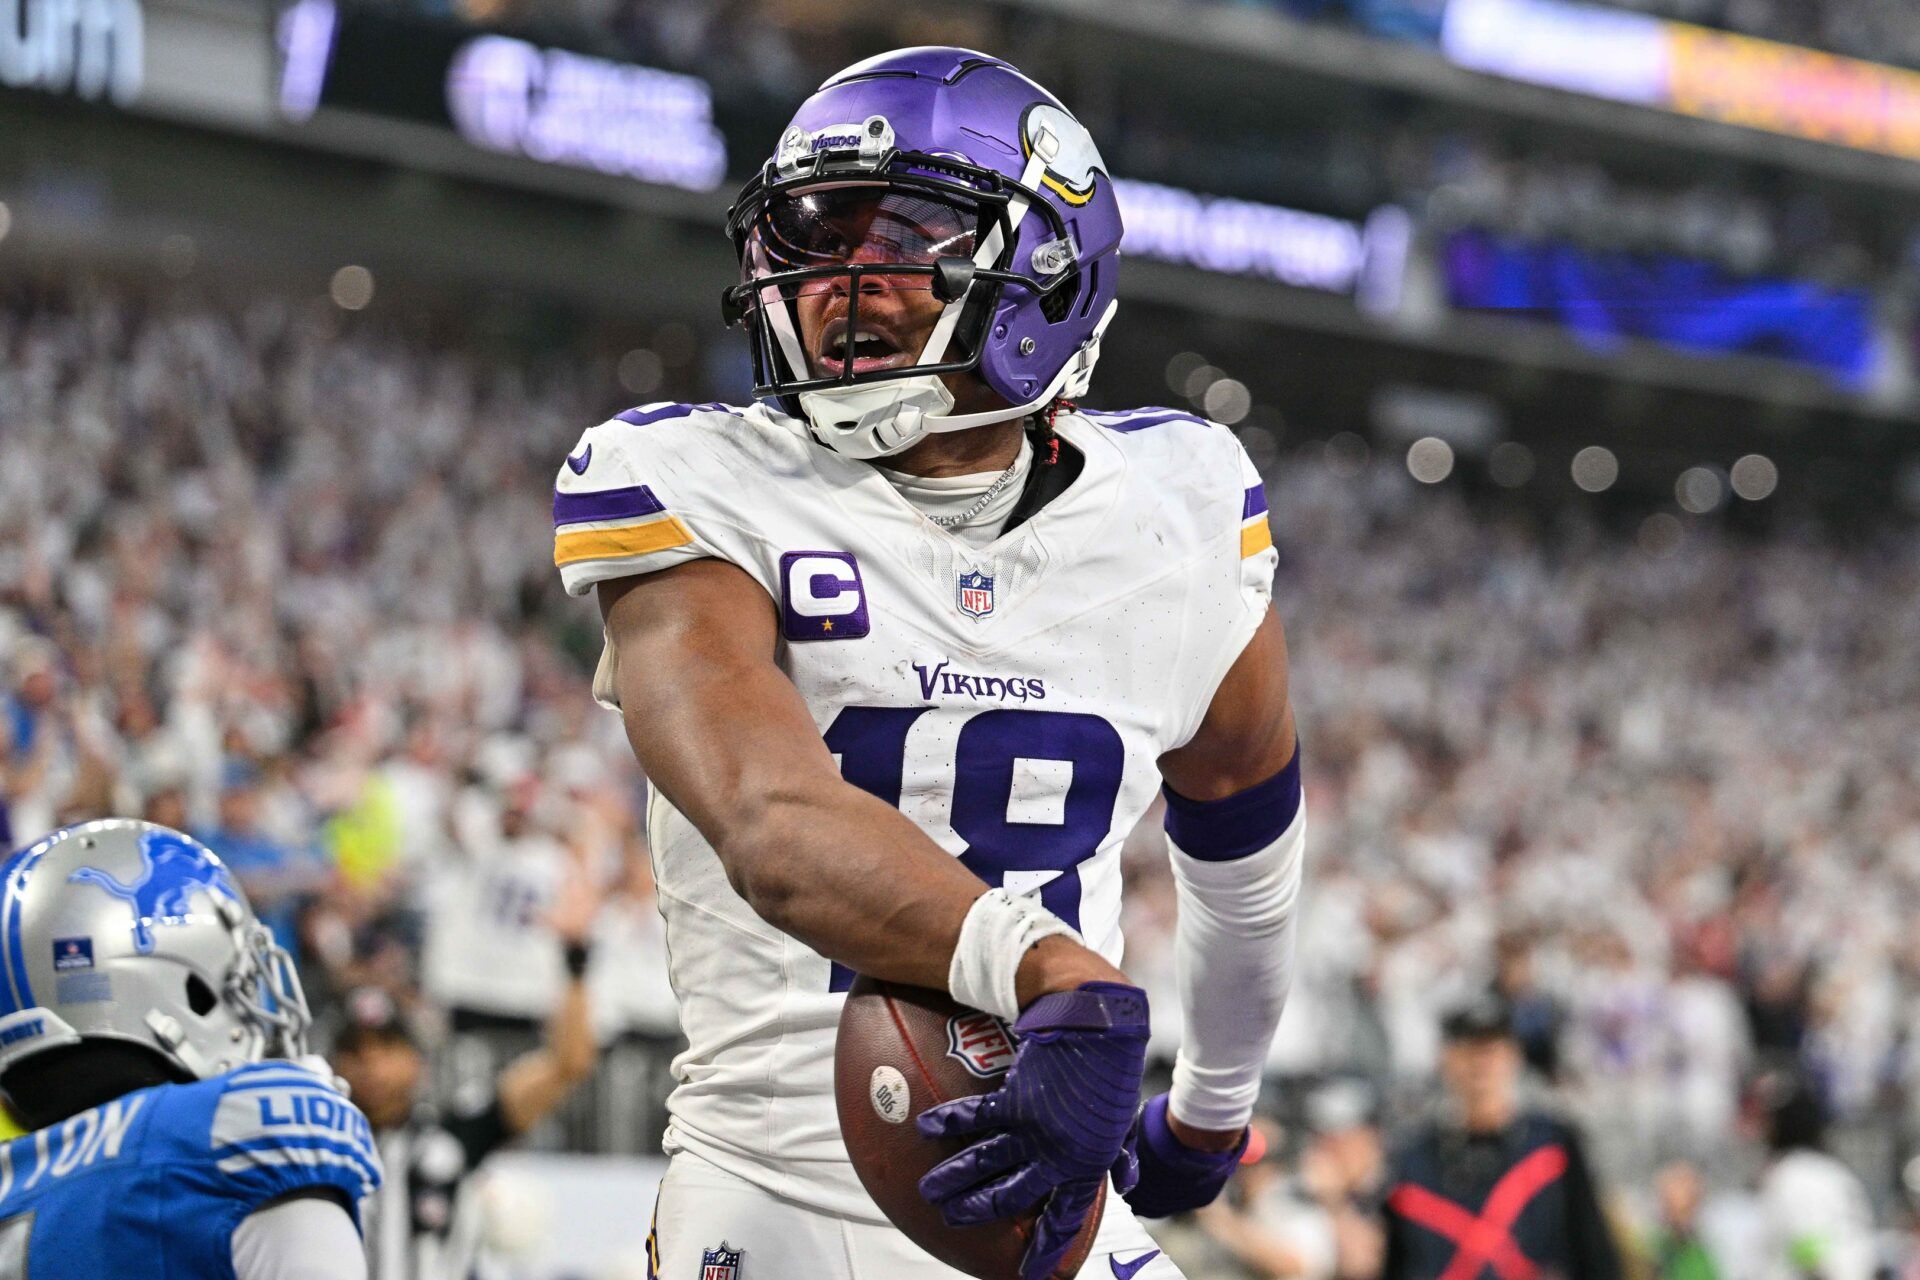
(981, 1044)
(976, 594)
(720, 1264)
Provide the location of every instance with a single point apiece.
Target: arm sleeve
(307, 1236)
(1238, 887)
(1591, 1252)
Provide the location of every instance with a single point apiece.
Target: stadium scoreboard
(502, 93)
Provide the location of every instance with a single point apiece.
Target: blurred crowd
(281, 576)
(287, 586)
(1668, 804)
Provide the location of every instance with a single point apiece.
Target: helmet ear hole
(1058, 305)
(1091, 291)
(200, 997)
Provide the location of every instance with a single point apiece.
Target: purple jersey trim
(644, 417)
(1244, 823)
(1141, 419)
(1256, 504)
(607, 504)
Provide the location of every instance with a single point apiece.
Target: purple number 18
(872, 745)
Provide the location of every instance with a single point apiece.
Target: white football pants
(701, 1209)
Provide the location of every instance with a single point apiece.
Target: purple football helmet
(938, 169)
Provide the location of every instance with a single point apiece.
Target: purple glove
(1060, 1124)
(1174, 1178)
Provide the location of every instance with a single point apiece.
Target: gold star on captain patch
(826, 624)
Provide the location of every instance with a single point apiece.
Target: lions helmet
(937, 164)
(127, 933)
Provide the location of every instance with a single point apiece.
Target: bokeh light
(1430, 460)
(1195, 387)
(1227, 401)
(1699, 490)
(1181, 367)
(1595, 468)
(352, 288)
(1755, 477)
(640, 371)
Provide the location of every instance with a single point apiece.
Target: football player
(153, 1043)
(907, 648)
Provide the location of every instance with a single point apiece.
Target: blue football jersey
(154, 1183)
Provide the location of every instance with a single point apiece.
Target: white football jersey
(1012, 700)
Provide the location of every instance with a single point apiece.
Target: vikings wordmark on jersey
(1011, 700)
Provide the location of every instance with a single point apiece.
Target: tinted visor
(839, 226)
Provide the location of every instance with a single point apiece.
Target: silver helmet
(126, 931)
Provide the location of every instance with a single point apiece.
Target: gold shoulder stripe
(1255, 537)
(615, 544)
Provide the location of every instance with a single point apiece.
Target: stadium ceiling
(209, 146)
(1258, 56)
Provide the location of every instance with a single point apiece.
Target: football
(901, 1050)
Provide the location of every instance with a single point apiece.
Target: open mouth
(867, 348)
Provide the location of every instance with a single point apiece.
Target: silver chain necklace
(993, 491)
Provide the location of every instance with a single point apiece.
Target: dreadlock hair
(1046, 443)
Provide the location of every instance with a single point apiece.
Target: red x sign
(1487, 1238)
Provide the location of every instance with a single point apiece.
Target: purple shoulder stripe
(1141, 419)
(644, 417)
(608, 504)
(1256, 504)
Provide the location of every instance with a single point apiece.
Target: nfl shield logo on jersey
(720, 1264)
(976, 594)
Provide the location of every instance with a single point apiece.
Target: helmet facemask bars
(858, 222)
(263, 986)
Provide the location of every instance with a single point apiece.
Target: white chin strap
(875, 419)
(882, 418)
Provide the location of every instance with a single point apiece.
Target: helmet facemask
(263, 987)
(858, 225)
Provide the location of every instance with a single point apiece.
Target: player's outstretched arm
(1234, 820)
(533, 1085)
(727, 738)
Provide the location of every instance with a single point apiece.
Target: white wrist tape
(995, 936)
